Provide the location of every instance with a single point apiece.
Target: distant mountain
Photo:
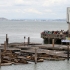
(59, 20)
(3, 19)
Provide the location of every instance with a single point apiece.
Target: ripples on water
(46, 65)
(16, 30)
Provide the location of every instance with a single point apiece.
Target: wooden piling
(53, 42)
(28, 40)
(7, 39)
(35, 56)
(5, 46)
(0, 57)
(68, 53)
(48, 40)
(24, 40)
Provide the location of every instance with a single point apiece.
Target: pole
(7, 39)
(28, 40)
(53, 42)
(5, 46)
(0, 57)
(24, 40)
(68, 53)
(48, 40)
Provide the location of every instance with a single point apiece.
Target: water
(46, 65)
(16, 31)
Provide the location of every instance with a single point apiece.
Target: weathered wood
(0, 57)
(49, 52)
(7, 39)
(53, 42)
(5, 46)
(24, 40)
(68, 53)
(48, 40)
(28, 40)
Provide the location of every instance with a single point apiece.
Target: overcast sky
(34, 9)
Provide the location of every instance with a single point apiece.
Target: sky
(34, 9)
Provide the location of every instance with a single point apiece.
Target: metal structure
(68, 18)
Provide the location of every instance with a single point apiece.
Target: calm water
(16, 31)
(46, 65)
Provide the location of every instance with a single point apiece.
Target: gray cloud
(34, 8)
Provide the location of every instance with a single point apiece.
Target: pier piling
(68, 53)
(5, 46)
(53, 42)
(0, 57)
(24, 40)
(35, 56)
(28, 40)
(7, 39)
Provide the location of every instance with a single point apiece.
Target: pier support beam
(28, 40)
(35, 56)
(53, 42)
(68, 53)
(0, 57)
(48, 40)
(7, 39)
(24, 40)
(5, 46)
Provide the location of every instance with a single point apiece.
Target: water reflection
(46, 65)
(35, 66)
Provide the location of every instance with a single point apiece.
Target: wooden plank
(49, 52)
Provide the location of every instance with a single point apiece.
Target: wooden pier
(48, 36)
(21, 53)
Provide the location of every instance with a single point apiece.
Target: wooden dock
(21, 53)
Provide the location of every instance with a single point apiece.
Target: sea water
(16, 31)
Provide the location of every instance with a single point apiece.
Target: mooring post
(7, 39)
(68, 53)
(5, 46)
(35, 56)
(53, 42)
(0, 57)
(28, 40)
(24, 40)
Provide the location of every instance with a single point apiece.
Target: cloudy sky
(34, 9)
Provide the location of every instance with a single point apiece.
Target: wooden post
(68, 53)
(7, 39)
(5, 46)
(24, 40)
(28, 40)
(53, 42)
(0, 57)
(35, 56)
